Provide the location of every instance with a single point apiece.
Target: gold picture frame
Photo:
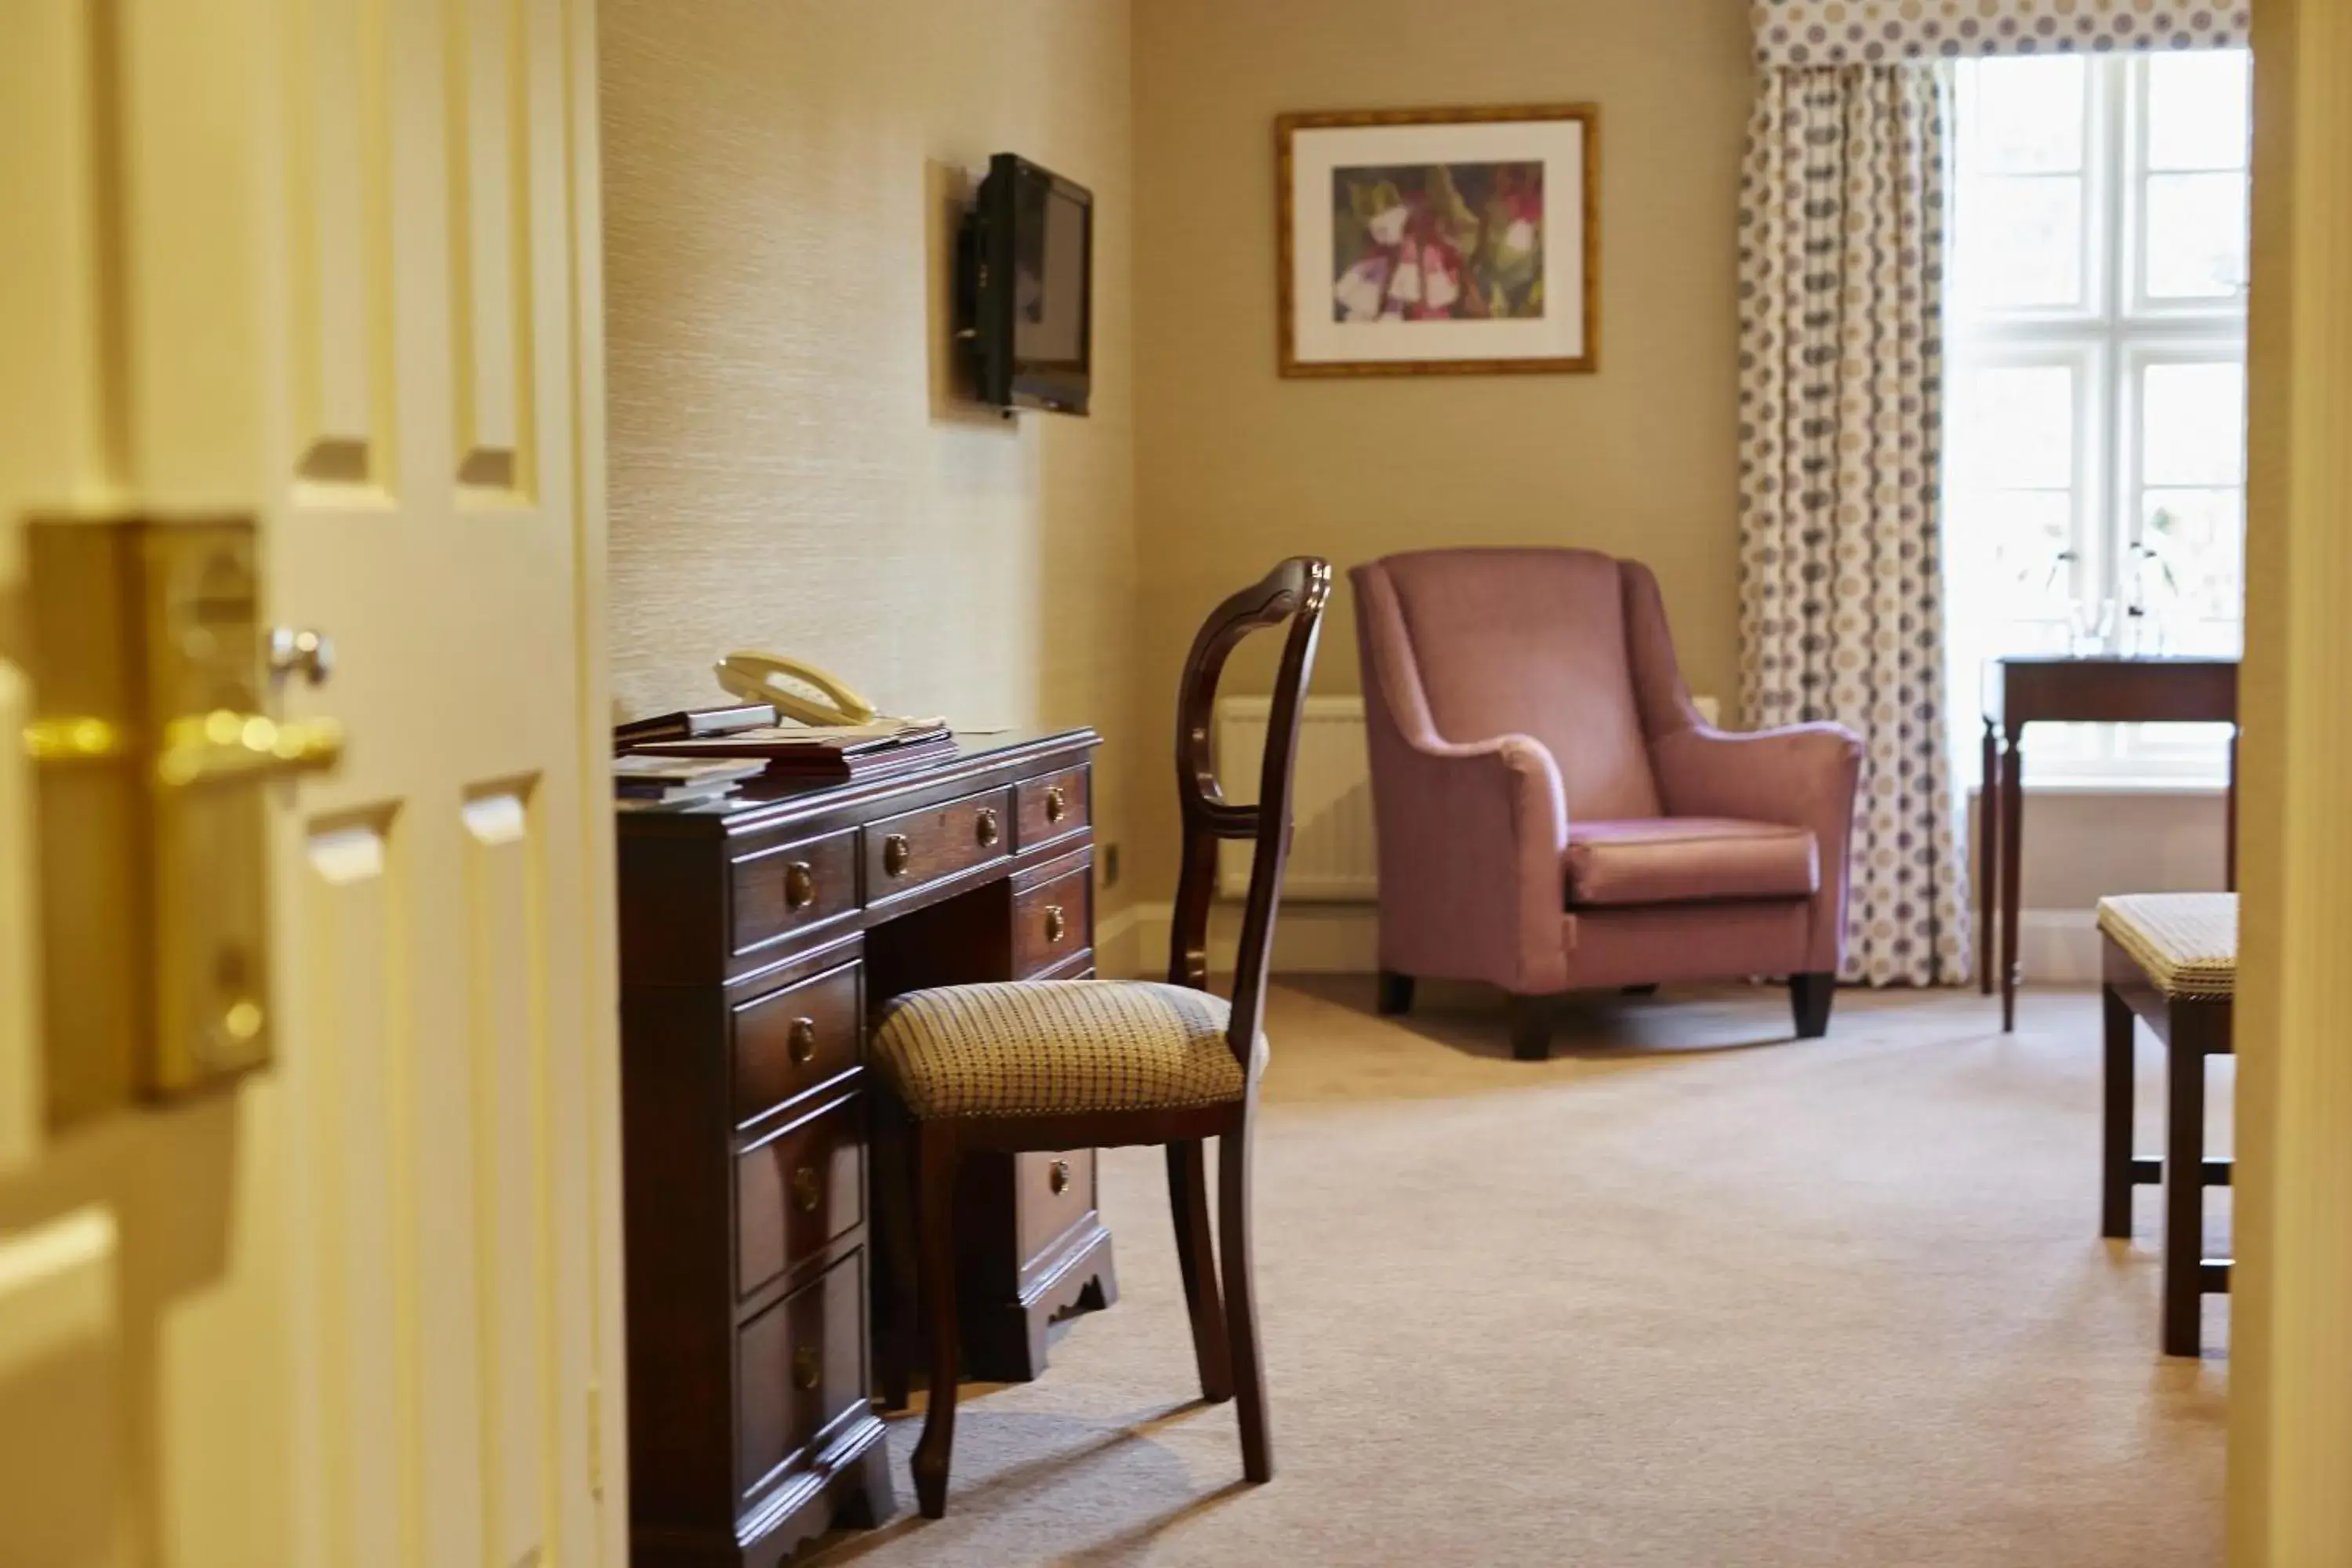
(1510, 331)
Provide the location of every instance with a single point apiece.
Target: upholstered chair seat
(1669, 859)
(1058, 1048)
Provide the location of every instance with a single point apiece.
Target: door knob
(307, 653)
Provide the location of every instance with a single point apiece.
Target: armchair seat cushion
(1688, 859)
(1053, 1047)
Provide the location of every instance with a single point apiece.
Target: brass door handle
(808, 1368)
(228, 747)
(799, 886)
(1057, 804)
(1057, 924)
(305, 653)
(800, 1040)
(1058, 1177)
(986, 830)
(895, 854)
(808, 1189)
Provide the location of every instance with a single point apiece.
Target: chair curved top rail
(1296, 591)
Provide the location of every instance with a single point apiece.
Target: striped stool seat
(1058, 1047)
(2185, 943)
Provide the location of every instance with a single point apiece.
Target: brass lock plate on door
(152, 754)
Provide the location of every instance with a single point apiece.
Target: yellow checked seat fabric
(2187, 942)
(1051, 1048)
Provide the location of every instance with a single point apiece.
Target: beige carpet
(1695, 1295)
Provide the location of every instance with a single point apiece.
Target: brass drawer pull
(808, 1189)
(1057, 804)
(799, 886)
(800, 1041)
(895, 854)
(1058, 1177)
(986, 830)
(1057, 924)
(808, 1368)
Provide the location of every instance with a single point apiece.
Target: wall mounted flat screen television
(1028, 288)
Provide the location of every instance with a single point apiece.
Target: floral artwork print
(1437, 242)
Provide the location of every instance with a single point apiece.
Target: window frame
(2110, 336)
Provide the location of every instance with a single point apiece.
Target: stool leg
(2184, 1193)
(2115, 1122)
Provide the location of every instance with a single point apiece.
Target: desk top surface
(765, 802)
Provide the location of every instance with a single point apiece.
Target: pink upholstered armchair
(1554, 814)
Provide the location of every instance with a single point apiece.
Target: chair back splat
(1295, 591)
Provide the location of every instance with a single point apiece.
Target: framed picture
(1439, 241)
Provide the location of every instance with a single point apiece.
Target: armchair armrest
(1804, 775)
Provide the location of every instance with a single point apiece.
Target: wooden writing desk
(2065, 691)
(755, 945)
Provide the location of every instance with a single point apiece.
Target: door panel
(316, 260)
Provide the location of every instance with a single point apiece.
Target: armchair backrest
(1539, 642)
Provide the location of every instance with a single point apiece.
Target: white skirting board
(2058, 947)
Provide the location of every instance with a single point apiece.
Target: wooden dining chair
(1038, 1065)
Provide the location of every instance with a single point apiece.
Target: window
(2095, 492)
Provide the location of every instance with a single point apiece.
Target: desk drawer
(1051, 1193)
(799, 1190)
(799, 1368)
(1052, 921)
(909, 852)
(1055, 804)
(789, 1041)
(789, 887)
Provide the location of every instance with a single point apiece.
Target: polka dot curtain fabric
(1840, 393)
(1869, 32)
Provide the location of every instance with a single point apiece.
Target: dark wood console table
(2066, 690)
(756, 942)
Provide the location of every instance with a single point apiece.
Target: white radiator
(1331, 798)
(1331, 853)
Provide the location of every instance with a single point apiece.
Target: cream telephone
(787, 684)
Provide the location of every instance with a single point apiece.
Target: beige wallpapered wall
(790, 464)
(1236, 467)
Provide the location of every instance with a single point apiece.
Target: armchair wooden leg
(937, 1159)
(1196, 1258)
(2184, 1192)
(1241, 1299)
(1810, 997)
(1395, 995)
(1532, 1028)
(2116, 1120)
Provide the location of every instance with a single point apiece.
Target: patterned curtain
(1840, 427)
(1867, 32)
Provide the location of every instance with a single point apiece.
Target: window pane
(2028, 116)
(2193, 546)
(2010, 549)
(2021, 241)
(2196, 237)
(2013, 427)
(2192, 424)
(2196, 113)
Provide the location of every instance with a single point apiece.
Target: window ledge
(2137, 788)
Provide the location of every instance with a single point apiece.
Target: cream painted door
(331, 263)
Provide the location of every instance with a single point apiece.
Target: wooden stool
(2171, 959)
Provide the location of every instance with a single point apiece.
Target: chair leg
(1241, 1299)
(1196, 1259)
(894, 1178)
(1395, 995)
(937, 1159)
(2184, 1194)
(1531, 1027)
(1810, 997)
(2115, 1118)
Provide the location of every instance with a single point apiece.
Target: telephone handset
(786, 683)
